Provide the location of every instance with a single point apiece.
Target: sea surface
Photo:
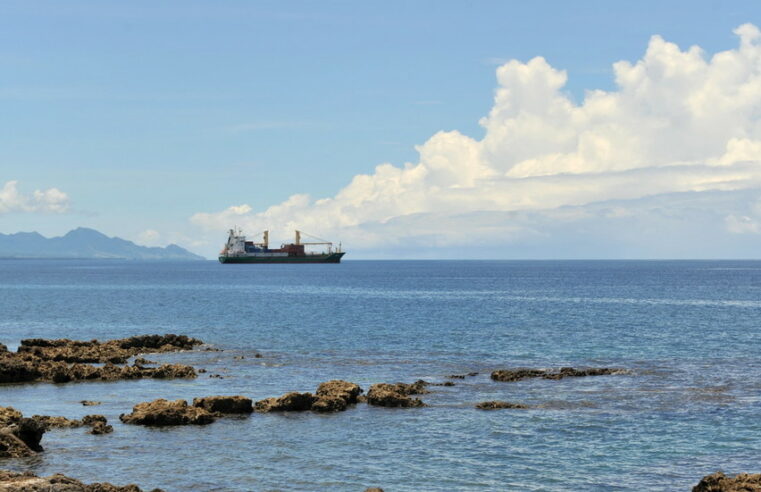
(687, 332)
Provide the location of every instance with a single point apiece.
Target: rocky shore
(64, 360)
(11, 481)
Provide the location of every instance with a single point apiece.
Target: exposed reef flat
(64, 360)
(510, 375)
(11, 481)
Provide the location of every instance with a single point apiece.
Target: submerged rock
(718, 482)
(395, 395)
(224, 404)
(164, 412)
(89, 403)
(496, 405)
(510, 375)
(11, 481)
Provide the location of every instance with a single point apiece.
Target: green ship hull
(326, 258)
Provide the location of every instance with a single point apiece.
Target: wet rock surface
(89, 403)
(396, 395)
(290, 402)
(224, 404)
(497, 405)
(11, 481)
(63, 361)
(114, 351)
(718, 482)
(165, 412)
(99, 428)
(331, 396)
(510, 375)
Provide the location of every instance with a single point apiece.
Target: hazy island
(85, 243)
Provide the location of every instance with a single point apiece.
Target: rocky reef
(397, 394)
(718, 482)
(163, 412)
(62, 361)
(113, 351)
(11, 481)
(498, 405)
(331, 396)
(510, 375)
(224, 404)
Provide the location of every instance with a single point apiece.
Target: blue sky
(147, 113)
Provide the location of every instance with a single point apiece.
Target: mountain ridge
(84, 242)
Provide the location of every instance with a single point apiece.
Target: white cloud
(678, 122)
(51, 200)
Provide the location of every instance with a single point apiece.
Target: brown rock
(99, 428)
(373, 489)
(510, 375)
(89, 403)
(392, 395)
(718, 482)
(224, 404)
(93, 419)
(290, 402)
(335, 395)
(8, 416)
(13, 447)
(47, 422)
(11, 481)
(496, 405)
(164, 412)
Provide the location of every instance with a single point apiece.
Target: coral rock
(224, 404)
(164, 412)
(718, 482)
(496, 405)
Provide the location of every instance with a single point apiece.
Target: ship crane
(314, 243)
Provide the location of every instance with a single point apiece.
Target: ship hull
(327, 258)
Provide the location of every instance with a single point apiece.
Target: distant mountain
(85, 243)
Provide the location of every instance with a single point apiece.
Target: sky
(426, 129)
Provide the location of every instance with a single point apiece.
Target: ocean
(687, 332)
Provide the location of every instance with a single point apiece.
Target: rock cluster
(21, 436)
(497, 405)
(62, 361)
(113, 351)
(718, 482)
(224, 404)
(11, 481)
(163, 412)
(510, 375)
(396, 395)
(331, 396)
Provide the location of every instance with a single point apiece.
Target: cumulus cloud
(679, 122)
(51, 200)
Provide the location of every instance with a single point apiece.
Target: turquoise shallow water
(687, 331)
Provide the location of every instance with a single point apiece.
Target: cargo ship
(238, 250)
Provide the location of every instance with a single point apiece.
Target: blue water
(687, 331)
